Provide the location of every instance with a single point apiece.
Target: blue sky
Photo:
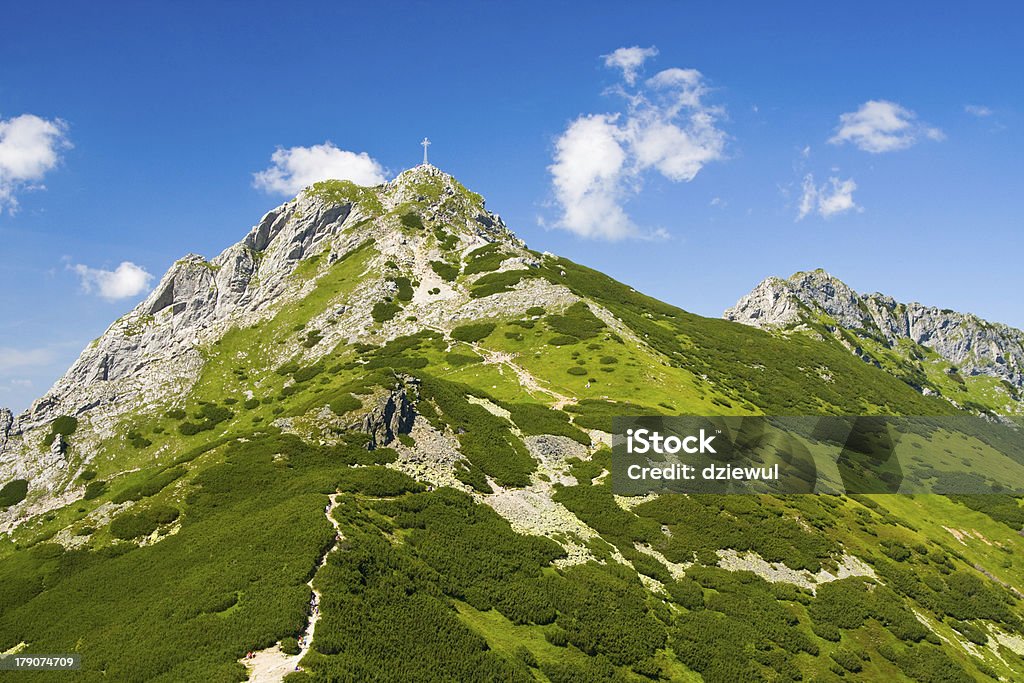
(147, 121)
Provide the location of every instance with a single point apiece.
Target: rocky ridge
(973, 345)
(152, 356)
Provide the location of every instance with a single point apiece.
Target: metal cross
(425, 143)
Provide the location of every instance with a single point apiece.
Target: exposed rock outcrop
(975, 346)
(393, 413)
(6, 423)
(151, 358)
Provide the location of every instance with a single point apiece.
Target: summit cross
(425, 143)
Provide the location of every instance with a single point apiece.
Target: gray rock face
(6, 422)
(150, 359)
(976, 346)
(392, 415)
(197, 300)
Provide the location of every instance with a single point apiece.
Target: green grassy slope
(204, 517)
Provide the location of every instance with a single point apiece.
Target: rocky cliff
(6, 422)
(973, 345)
(151, 357)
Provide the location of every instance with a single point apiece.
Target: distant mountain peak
(807, 298)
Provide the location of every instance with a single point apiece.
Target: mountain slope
(972, 362)
(394, 363)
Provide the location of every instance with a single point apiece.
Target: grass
(436, 585)
(347, 192)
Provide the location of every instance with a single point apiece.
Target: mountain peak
(420, 172)
(812, 299)
(775, 302)
(419, 225)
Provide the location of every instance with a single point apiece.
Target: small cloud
(21, 383)
(296, 168)
(718, 201)
(827, 200)
(600, 160)
(629, 60)
(29, 148)
(808, 197)
(806, 151)
(125, 281)
(882, 126)
(979, 110)
(17, 359)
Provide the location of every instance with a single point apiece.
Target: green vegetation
(578, 322)
(135, 524)
(460, 359)
(742, 361)
(378, 481)
(447, 271)
(346, 192)
(533, 419)
(388, 617)
(13, 492)
(65, 426)
(151, 486)
(412, 220)
(485, 439)
(404, 288)
(484, 259)
(383, 311)
(495, 283)
(308, 372)
(137, 440)
(209, 416)
(94, 489)
(598, 413)
(1005, 509)
(223, 521)
(473, 332)
(256, 508)
(138, 325)
(344, 403)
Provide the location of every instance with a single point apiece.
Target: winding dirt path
(272, 665)
(526, 379)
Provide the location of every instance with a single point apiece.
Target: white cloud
(16, 359)
(882, 126)
(838, 198)
(808, 197)
(296, 168)
(588, 168)
(125, 281)
(979, 110)
(828, 200)
(630, 59)
(29, 148)
(600, 160)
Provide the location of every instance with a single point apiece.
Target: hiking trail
(272, 665)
